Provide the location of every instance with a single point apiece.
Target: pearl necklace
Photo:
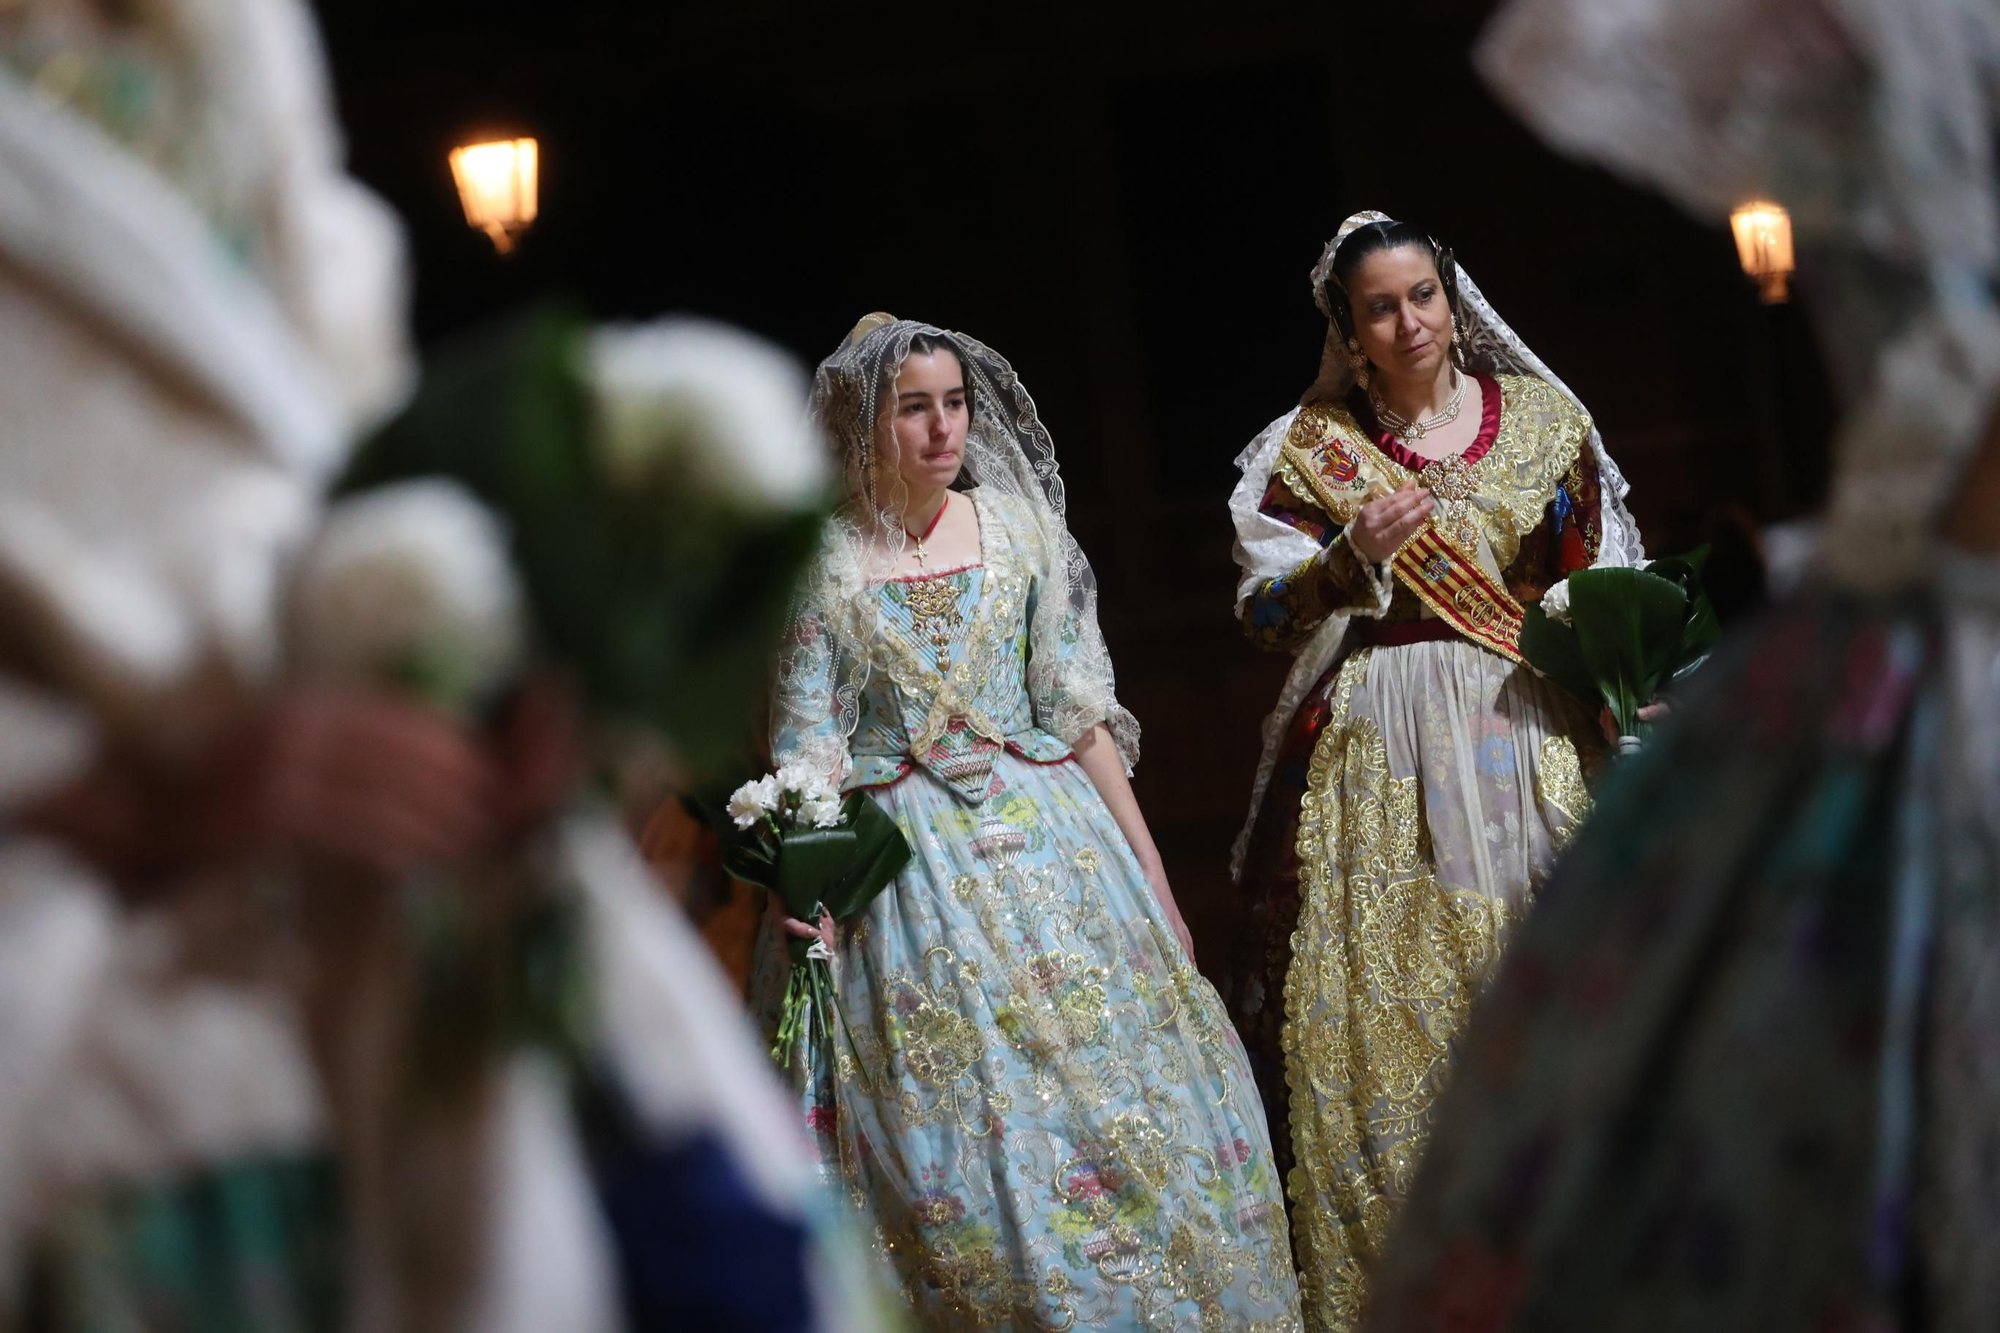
(1408, 431)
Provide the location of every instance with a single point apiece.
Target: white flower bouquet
(824, 857)
(555, 496)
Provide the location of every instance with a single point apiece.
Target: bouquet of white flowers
(630, 507)
(824, 857)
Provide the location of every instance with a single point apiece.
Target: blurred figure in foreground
(324, 1003)
(1740, 1071)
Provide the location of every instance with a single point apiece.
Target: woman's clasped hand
(1387, 521)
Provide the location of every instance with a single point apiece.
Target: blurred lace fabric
(1739, 1071)
(201, 313)
(171, 401)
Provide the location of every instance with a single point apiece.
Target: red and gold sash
(1452, 584)
(1329, 460)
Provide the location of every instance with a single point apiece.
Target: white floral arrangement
(689, 399)
(793, 797)
(823, 858)
(411, 585)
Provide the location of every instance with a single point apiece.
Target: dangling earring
(1357, 361)
(1457, 342)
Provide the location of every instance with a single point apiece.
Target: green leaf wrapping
(1550, 647)
(837, 871)
(1701, 629)
(840, 869)
(1628, 628)
(1632, 632)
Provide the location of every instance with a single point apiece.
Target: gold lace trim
(1559, 782)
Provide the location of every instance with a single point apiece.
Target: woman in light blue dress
(1039, 1106)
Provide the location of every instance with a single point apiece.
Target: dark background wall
(1123, 201)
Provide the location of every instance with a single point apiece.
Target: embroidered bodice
(948, 686)
(949, 689)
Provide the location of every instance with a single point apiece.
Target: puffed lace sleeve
(1070, 680)
(808, 701)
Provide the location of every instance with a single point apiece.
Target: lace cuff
(1366, 587)
(1282, 611)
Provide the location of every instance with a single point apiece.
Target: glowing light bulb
(498, 185)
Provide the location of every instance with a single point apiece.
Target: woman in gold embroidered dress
(1039, 1105)
(1418, 779)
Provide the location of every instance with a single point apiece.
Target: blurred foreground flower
(690, 404)
(410, 585)
(660, 493)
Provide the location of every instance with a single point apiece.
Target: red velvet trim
(1014, 748)
(1489, 428)
(941, 574)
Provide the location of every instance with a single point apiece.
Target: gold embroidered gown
(1424, 787)
(1040, 1107)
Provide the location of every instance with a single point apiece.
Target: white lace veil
(1267, 548)
(1010, 459)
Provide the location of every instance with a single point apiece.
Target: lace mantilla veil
(1267, 548)
(1010, 459)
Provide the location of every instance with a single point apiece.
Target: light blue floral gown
(1040, 1107)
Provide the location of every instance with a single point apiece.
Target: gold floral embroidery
(1047, 1148)
(945, 693)
(934, 614)
(1559, 782)
(941, 1048)
(1054, 1004)
(1197, 1269)
(1386, 961)
(964, 1266)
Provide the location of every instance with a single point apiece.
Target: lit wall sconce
(1764, 245)
(497, 185)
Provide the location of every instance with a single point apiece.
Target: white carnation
(820, 812)
(800, 780)
(685, 398)
(1555, 603)
(753, 800)
(412, 584)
